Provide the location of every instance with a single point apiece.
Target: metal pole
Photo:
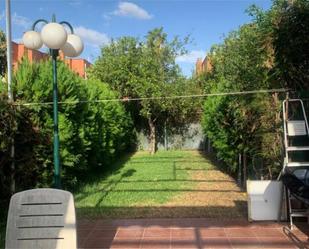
(10, 93)
(57, 178)
(9, 48)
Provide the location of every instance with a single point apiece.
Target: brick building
(79, 66)
(202, 66)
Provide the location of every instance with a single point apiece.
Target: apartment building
(203, 65)
(79, 66)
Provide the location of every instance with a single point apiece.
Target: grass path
(217, 195)
(168, 184)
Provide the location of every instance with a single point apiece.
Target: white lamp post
(55, 37)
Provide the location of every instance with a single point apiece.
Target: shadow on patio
(187, 233)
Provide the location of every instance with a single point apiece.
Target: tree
(91, 135)
(245, 124)
(291, 45)
(144, 69)
(2, 53)
(30, 144)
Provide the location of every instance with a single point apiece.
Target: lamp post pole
(57, 178)
(55, 37)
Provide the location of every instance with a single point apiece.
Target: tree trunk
(244, 161)
(239, 173)
(152, 137)
(12, 174)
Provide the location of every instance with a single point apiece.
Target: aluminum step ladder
(293, 129)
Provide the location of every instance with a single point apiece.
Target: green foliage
(91, 134)
(146, 69)
(2, 53)
(29, 143)
(291, 45)
(270, 52)
(248, 125)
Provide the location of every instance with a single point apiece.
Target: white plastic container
(264, 200)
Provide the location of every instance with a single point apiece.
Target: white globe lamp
(54, 35)
(32, 40)
(73, 47)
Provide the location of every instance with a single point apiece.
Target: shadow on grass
(212, 159)
(238, 211)
(97, 174)
(111, 185)
(220, 165)
(96, 207)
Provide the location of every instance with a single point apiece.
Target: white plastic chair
(41, 218)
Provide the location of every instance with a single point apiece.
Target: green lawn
(153, 186)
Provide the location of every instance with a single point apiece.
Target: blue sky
(97, 21)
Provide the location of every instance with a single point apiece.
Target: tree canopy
(145, 69)
(291, 45)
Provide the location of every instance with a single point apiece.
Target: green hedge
(91, 134)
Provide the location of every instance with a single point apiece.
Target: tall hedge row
(269, 52)
(91, 134)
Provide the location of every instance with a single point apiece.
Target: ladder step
(297, 164)
(297, 148)
(300, 214)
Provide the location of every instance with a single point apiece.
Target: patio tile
(158, 223)
(239, 232)
(83, 233)
(86, 226)
(105, 224)
(102, 233)
(126, 243)
(212, 232)
(153, 242)
(245, 243)
(268, 232)
(157, 232)
(98, 243)
(218, 243)
(130, 232)
(277, 242)
(266, 224)
(296, 232)
(186, 223)
(186, 233)
(185, 243)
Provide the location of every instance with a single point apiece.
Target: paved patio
(189, 233)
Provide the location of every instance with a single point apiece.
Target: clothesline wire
(127, 99)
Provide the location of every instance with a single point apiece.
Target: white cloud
(191, 57)
(75, 3)
(22, 21)
(131, 10)
(18, 20)
(106, 16)
(91, 36)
